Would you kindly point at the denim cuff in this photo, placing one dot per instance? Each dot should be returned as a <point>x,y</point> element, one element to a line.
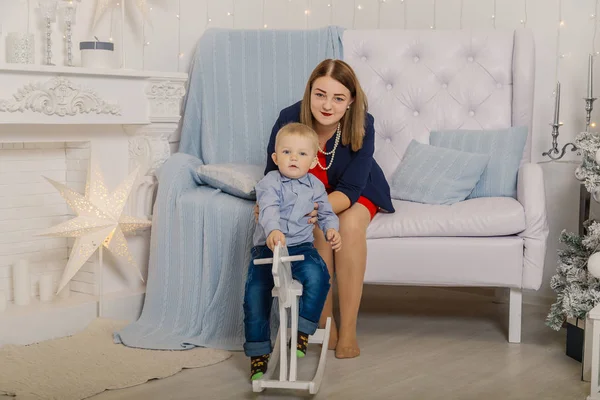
<point>254,349</point>
<point>306,326</point>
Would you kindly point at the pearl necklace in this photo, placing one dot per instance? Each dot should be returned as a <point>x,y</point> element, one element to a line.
<point>332,152</point>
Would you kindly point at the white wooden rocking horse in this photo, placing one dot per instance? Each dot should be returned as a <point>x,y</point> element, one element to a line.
<point>289,291</point>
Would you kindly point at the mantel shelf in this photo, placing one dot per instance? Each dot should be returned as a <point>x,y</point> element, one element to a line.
<point>60,70</point>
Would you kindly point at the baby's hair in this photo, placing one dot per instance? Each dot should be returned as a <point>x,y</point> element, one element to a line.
<point>298,129</point>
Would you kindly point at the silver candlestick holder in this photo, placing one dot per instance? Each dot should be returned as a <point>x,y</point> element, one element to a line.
<point>552,153</point>
<point>589,106</point>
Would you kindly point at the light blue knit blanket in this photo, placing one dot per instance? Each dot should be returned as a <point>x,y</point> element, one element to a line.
<point>201,237</point>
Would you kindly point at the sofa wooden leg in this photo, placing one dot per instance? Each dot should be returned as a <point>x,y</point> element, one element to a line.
<point>514,315</point>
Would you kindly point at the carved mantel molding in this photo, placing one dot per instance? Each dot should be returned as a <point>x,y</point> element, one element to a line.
<point>57,96</point>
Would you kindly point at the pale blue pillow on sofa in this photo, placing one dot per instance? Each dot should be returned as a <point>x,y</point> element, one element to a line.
<point>235,179</point>
<point>435,175</point>
<point>505,148</point>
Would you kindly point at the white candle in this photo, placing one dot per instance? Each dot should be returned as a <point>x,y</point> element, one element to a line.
<point>21,283</point>
<point>590,82</point>
<point>46,284</point>
<point>3,301</point>
<point>557,104</point>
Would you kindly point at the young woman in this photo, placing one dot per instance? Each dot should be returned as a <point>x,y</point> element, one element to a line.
<point>335,106</point>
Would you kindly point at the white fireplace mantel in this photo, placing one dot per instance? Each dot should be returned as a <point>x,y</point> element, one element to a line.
<point>128,118</point>
<point>94,104</point>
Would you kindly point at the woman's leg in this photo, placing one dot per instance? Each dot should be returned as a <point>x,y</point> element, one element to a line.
<point>351,262</point>
<point>326,253</point>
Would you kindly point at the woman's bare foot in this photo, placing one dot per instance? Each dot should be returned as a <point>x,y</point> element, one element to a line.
<point>347,346</point>
<point>333,334</point>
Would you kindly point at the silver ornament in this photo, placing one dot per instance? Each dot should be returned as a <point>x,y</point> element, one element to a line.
<point>579,174</point>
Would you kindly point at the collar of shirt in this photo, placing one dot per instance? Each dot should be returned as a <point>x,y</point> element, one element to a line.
<point>303,179</point>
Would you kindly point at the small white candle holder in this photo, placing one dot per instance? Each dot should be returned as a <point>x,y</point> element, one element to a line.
<point>21,283</point>
<point>46,288</point>
<point>20,48</point>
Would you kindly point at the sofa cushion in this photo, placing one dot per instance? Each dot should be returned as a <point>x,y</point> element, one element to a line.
<point>505,148</point>
<point>485,216</point>
<point>436,175</point>
<point>235,179</point>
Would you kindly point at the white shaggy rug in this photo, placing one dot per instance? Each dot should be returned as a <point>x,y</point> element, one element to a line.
<point>87,363</point>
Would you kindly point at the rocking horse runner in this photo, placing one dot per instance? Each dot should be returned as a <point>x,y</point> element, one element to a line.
<point>285,197</point>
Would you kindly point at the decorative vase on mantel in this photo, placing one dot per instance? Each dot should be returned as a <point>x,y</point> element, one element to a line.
<point>20,48</point>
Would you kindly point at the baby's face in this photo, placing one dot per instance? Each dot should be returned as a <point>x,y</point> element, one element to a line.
<point>295,156</point>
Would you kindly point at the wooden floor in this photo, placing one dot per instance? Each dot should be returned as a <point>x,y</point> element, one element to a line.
<point>416,344</point>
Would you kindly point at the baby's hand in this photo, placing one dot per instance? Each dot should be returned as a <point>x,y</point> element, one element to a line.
<point>335,239</point>
<point>275,237</point>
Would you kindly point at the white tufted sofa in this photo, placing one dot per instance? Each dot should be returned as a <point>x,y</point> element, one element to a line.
<point>418,81</point>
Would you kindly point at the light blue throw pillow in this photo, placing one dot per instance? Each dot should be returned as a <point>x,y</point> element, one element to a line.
<point>435,175</point>
<point>236,179</point>
<point>505,148</point>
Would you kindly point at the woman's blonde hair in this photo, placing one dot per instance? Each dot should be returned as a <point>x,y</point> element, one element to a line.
<point>353,121</point>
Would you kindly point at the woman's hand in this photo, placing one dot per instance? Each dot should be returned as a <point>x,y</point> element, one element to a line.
<point>275,237</point>
<point>256,211</point>
<point>312,216</point>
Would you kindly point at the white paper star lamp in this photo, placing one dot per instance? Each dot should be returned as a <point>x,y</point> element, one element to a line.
<point>99,222</point>
<point>103,5</point>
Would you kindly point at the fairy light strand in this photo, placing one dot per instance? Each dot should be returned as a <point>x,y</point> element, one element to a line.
<point>179,53</point>
<point>460,17</point>
<point>524,20</point>
<point>307,13</point>
<point>208,18</point>
<point>494,14</point>
<point>432,26</point>
<point>595,16</point>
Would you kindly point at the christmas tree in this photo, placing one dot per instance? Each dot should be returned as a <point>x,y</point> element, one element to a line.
<point>578,289</point>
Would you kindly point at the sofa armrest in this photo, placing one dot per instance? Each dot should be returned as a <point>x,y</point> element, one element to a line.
<point>532,196</point>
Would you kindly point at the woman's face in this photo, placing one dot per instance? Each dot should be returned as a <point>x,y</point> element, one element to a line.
<point>329,100</point>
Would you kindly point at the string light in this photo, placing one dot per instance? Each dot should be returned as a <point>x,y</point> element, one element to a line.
<point>524,20</point>
<point>460,18</point>
<point>330,13</point>
<point>208,19</point>
<point>263,14</point>
<point>180,54</point>
<point>405,12</point>
<point>594,52</point>
<point>432,26</point>
<point>494,16</point>
<point>307,13</point>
